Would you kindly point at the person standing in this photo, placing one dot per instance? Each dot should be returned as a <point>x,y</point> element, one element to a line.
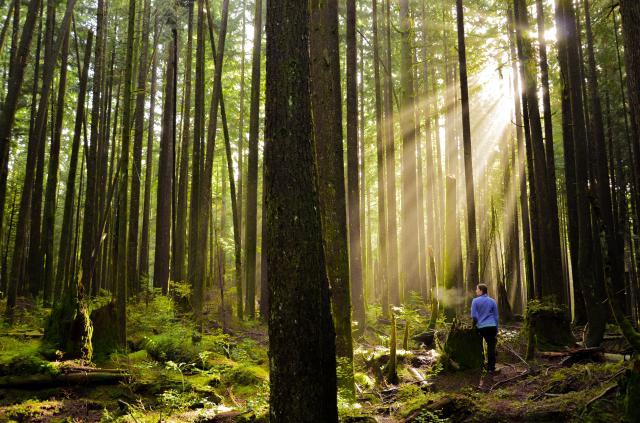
<point>484,312</point>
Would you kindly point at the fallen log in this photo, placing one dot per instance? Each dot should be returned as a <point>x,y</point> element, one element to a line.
<point>64,379</point>
<point>573,356</point>
<point>23,334</point>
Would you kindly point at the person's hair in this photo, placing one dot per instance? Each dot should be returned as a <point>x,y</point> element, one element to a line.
<point>483,288</point>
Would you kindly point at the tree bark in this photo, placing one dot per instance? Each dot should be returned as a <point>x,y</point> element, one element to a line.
<point>91,212</point>
<point>146,208</point>
<point>48,225</point>
<point>121,246</point>
<point>133,271</point>
<point>180,239</point>
<point>22,228</point>
<point>354,223</point>
<point>392,225</point>
<point>302,379</point>
<point>250,239</point>
<point>472,243</point>
<point>326,106</point>
<point>380,161</point>
<point>64,270</point>
<point>165,171</point>
<point>196,168</point>
<point>570,63</point>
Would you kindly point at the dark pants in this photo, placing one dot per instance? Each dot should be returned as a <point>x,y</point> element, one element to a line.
<point>489,334</point>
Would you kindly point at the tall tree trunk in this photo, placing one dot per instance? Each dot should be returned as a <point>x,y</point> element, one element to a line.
<point>121,247</point>
<point>548,258</point>
<point>180,239</point>
<point>392,225</point>
<point>326,103</point>
<point>557,286</point>
<point>34,271</point>
<point>196,167</point>
<point>472,243</point>
<point>22,228</point>
<point>355,231</point>
<point>241,133</point>
<point>430,181</point>
<point>165,171</point>
<point>600,171</point>
<point>146,208</point>
<point>570,65</point>
<point>91,212</point>
<point>380,161</point>
<point>65,253</point>
<point>48,225</point>
<point>10,101</point>
<point>133,272</point>
<point>630,14</point>
<point>232,186</point>
<point>298,286</point>
<point>410,274</point>
<point>250,234</point>
<point>205,186</point>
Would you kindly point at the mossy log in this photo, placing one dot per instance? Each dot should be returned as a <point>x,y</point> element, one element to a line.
<point>42,381</point>
<point>463,347</point>
<point>547,327</point>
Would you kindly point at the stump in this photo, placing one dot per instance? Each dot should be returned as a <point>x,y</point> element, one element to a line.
<point>463,346</point>
<point>547,326</point>
<point>105,332</point>
<point>69,328</point>
<point>631,392</point>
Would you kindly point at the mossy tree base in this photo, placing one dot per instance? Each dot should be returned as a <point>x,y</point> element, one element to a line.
<point>547,327</point>
<point>463,347</point>
<point>69,329</point>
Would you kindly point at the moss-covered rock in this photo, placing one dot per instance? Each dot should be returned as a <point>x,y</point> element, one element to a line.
<point>547,325</point>
<point>463,348</point>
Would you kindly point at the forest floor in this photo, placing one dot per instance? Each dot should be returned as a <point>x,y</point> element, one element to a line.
<point>174,373</point>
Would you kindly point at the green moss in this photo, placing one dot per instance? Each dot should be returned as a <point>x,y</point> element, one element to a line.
<point>244,375</point>
<point>418,402</point>
<point>33,409</point>
<point>29,364</point>
<point>363,380</point>
<point>408,392</point>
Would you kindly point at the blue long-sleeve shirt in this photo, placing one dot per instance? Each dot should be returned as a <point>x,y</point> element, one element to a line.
<point>485,311</point>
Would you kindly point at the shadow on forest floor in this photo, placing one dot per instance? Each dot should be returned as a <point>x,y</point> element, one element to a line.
<point>173,372</point>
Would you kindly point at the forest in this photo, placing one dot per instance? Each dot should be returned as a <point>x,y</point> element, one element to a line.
<point>319,211</point>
